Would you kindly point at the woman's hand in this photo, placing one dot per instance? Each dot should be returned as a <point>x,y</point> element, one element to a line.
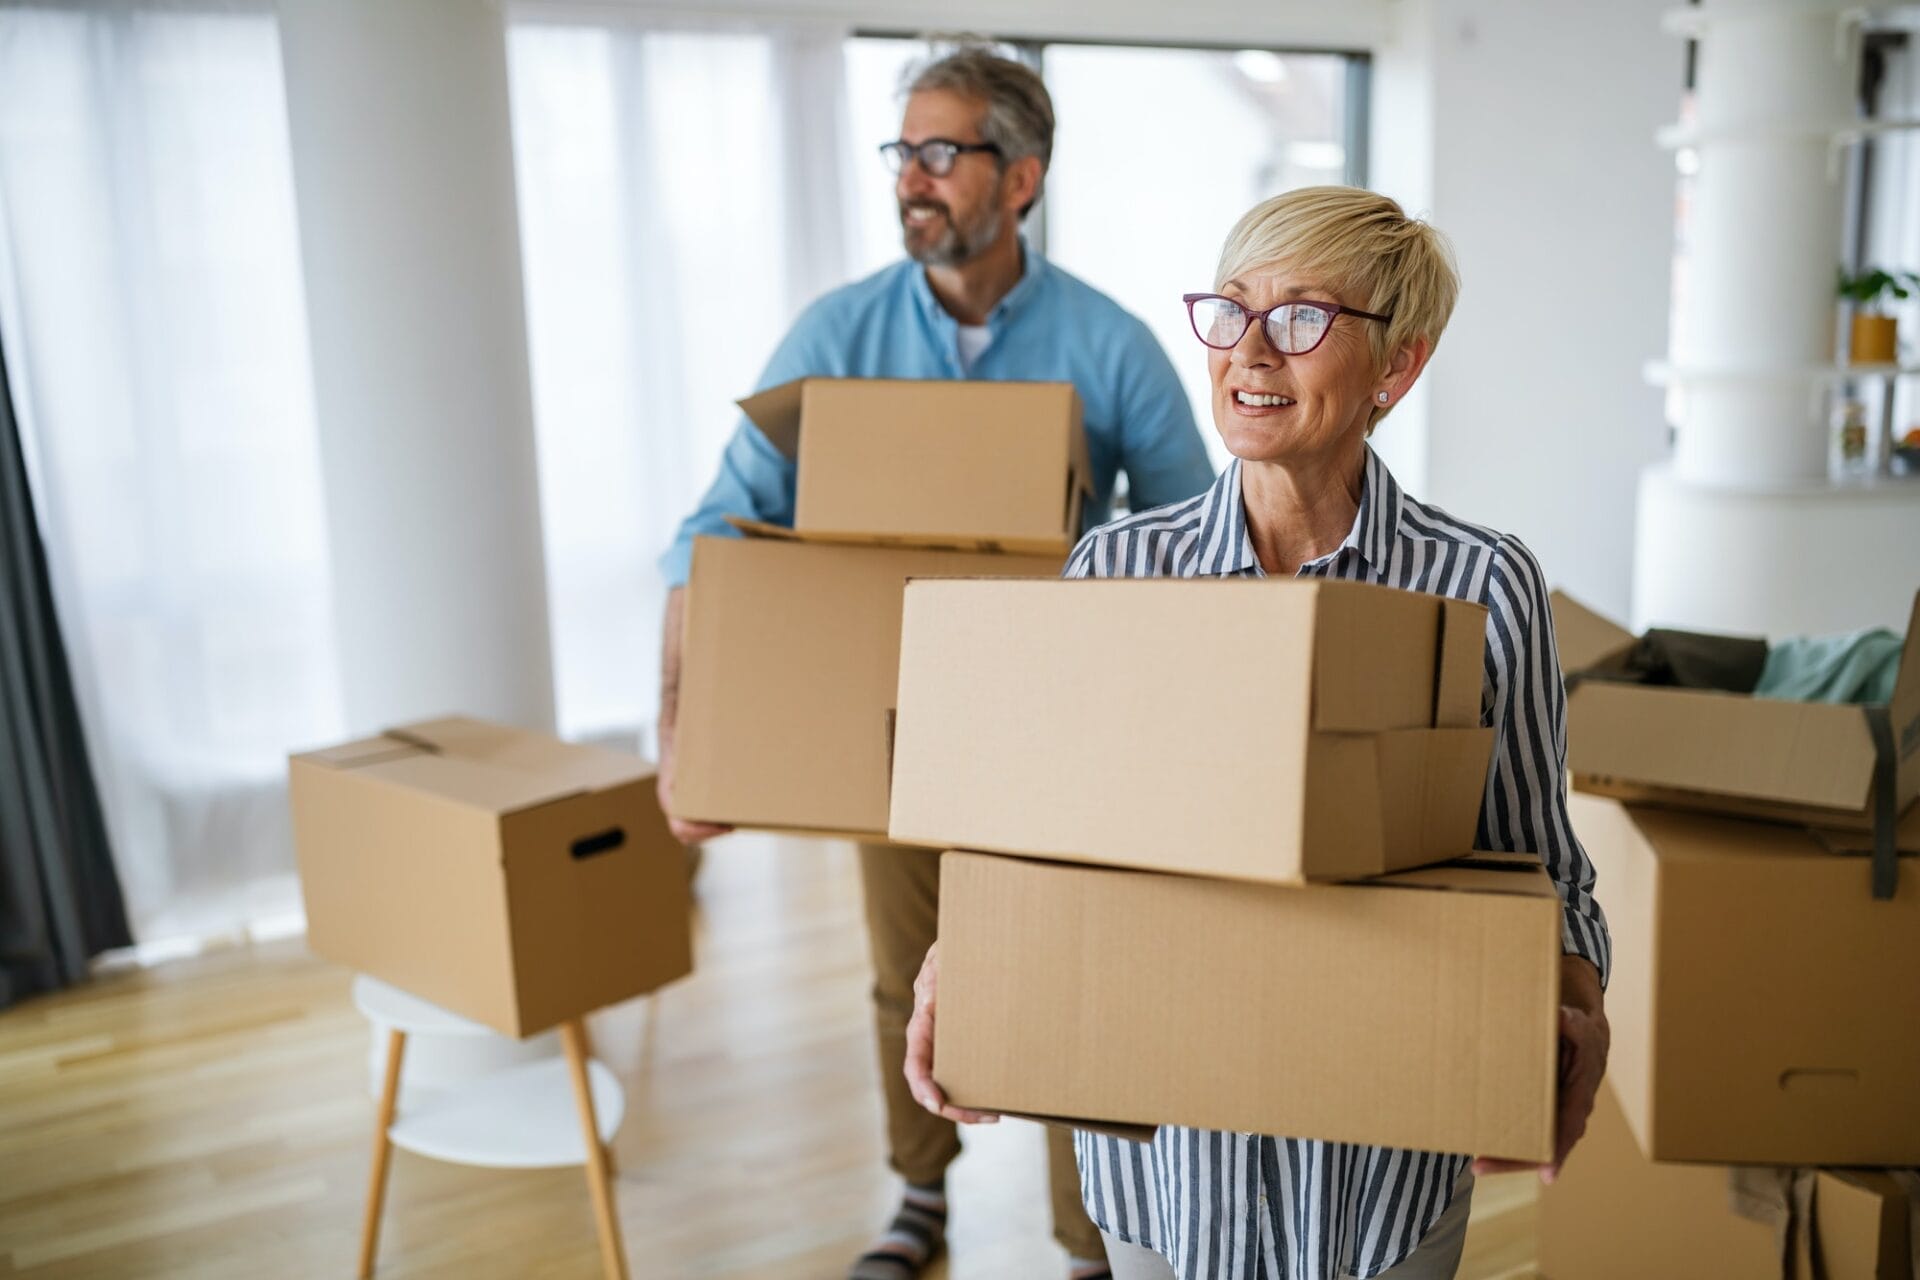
<point>1584,1041</point>
<point>919,1063</point>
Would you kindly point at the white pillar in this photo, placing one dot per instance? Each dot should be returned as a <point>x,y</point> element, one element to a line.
<point>1774,80</point>
<point>1744,531</point>
<point>403,175</point>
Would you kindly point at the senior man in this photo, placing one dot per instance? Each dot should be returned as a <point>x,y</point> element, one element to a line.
<point>972,300</point>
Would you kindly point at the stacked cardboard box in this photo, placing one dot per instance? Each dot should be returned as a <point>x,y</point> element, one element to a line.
<point>791,638</point>
<point>512,878</point>
<point>1615,1213</point>
<point>1765,1000</point>
<point>1171,764</point>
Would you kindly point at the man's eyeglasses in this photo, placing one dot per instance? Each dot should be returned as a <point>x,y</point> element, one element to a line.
<point>1293,328</point>
<point>936,155</point>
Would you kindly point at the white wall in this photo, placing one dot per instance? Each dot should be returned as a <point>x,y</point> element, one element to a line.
<point>1524,129</point>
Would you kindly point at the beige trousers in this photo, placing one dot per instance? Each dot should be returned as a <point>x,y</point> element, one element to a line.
<point>902,887</point>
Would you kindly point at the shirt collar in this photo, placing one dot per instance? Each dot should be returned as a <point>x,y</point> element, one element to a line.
<point>1033,268</point>
<point>1227,549</point>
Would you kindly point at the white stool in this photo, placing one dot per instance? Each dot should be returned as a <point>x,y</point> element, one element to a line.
<point>530,1112</point>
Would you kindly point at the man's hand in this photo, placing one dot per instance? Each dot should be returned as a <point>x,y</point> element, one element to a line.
<point>684,831</point>
<point>919,1063</point>
<point>1584,1041</point>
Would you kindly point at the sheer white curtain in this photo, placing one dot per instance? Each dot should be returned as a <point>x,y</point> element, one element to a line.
<point>151,306</point>
<point>683,194</point>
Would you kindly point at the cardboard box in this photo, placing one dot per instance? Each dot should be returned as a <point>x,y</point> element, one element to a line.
<point>1278,731</point>
<point>1730,753</point>
<point>504,875</point>
<point>980,465</point>
<point>1765,1007</point>
<point>789,663</point>
<point>1419,1010</point>
<point>1614,1213</point>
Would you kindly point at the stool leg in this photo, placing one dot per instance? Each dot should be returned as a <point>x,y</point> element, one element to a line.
<point>612,1255</point>
<point>382,1152</point>
<point>606,1148</point>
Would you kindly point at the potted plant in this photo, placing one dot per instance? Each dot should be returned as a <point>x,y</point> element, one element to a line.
<point>1875,334</point>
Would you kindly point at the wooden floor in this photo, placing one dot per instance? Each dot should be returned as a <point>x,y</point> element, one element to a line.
<point>210,1118</point>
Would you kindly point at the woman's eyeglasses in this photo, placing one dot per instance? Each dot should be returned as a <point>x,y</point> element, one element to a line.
<point>1292,328</point>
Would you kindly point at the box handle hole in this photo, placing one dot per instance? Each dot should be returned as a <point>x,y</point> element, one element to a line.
<point>1818,1080</point>
<point>603,842</point>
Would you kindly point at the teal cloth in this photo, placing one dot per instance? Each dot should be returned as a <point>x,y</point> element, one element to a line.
<point>1859,666</point>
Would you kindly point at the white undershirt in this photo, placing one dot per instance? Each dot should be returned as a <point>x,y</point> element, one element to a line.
<point>973,340</point>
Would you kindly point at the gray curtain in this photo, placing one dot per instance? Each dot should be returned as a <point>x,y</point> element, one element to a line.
<point>59,897</point>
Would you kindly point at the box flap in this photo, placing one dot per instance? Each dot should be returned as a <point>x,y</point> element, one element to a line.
<point>1693,740</point>
<point>1481,871</point>
<point>1583,637</point>
<point>1859,840</point>
<point>1375,654</point>
<point>776,411</point>
<point>936,459</point>
<point>353,755</point>
<point>1082,478</point>
<point>563,766</point>
<point>1904,708</point>
<point>1038,546</point>
<point>480,765</point>
<point>762,529</point>
<point>1433,783</point>
<point>1462,667</point>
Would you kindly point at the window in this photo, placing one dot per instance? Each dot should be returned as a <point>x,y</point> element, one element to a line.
<point>678,208</point>
<point>675,215</point>
<point>1143,186</point>
<point>152,308</point>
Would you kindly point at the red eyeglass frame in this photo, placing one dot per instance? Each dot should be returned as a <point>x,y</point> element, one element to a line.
<point>1332,310</point>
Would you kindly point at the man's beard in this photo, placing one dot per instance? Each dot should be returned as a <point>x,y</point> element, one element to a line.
<point>944,242</point>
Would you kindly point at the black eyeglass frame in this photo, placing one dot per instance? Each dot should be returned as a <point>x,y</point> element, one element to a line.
<point>895,154</point>
<point>1332,310</point>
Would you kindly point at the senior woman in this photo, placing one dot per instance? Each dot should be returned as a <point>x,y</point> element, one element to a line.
<point>1327,304</point>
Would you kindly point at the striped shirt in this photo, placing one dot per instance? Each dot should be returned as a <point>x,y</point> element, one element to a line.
<point>1247,1207</point>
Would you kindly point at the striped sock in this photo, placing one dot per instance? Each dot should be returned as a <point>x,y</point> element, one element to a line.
<point>912,1240</point>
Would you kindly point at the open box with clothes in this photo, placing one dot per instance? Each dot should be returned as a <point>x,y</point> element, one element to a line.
<point>1827,735</point>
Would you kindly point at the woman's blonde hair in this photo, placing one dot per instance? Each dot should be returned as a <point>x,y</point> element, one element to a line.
<point>1361,243</point>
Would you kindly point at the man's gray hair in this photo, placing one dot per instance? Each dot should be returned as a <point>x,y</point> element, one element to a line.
<point>1019,118</point>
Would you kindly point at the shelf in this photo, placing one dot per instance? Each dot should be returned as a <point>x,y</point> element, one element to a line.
<point>1661,373</point>
<point>521,1118</point>
<point>389,1006</point>
<point>1693,21</point>
<point>1843,133</point>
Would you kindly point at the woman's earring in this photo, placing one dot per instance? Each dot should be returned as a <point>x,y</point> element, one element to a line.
<point>1381,397</point>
